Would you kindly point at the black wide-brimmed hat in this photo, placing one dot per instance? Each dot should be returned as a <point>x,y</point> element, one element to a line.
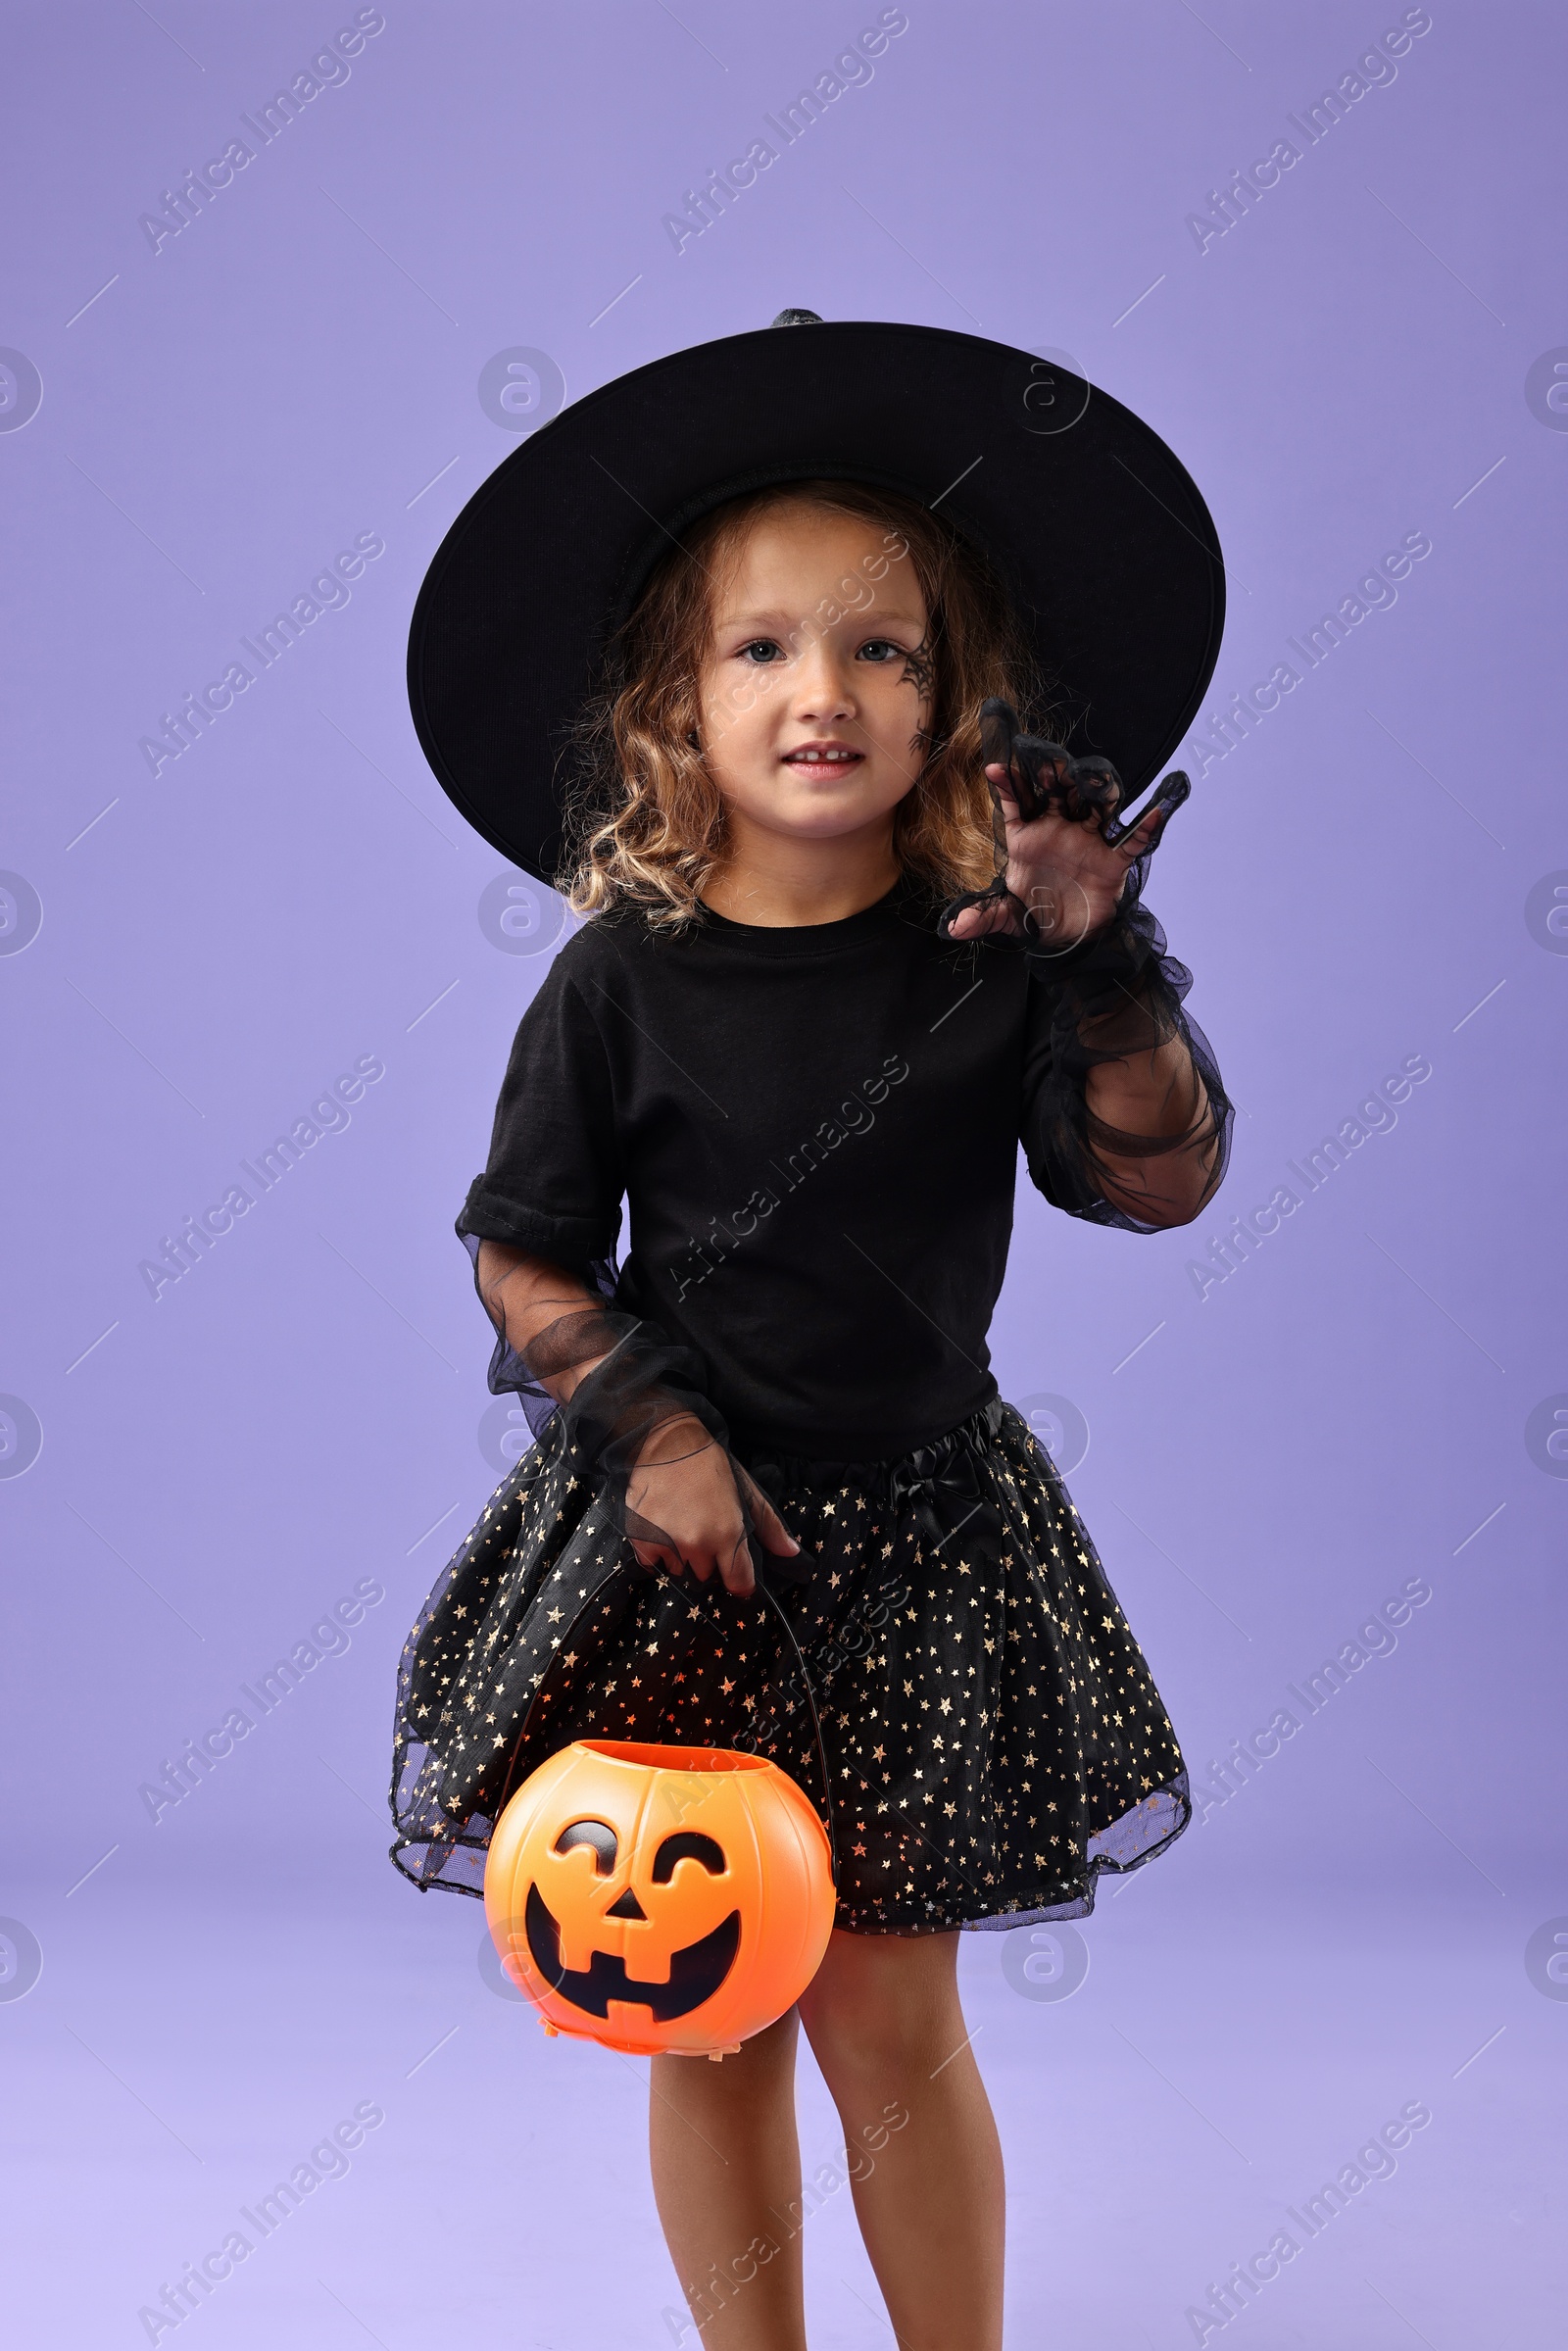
<point>1095,528</point>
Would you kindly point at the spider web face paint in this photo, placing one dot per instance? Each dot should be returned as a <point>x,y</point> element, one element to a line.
<point>919,669</point>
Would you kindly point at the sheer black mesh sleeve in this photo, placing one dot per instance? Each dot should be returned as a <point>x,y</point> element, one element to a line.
<point>1111,997</point>
<point>1118,994</point>
<point>509,1372</point>
<point>638,1411</point>
<point>553,1183</point>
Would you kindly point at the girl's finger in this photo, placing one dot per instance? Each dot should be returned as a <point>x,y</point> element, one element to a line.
<point>740,1576</point>
<point>1001,783</point>
<point>994,916</point>
<point>775,1535</point>
<point>1145,834</point>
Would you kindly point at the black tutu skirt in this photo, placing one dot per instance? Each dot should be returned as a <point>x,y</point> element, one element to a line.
<point>992,1734</point>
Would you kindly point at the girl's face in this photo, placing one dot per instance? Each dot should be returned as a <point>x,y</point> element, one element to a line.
<point>817,681</point>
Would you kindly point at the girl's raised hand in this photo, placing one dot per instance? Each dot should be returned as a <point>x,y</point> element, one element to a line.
<point>683,1508</point>
<point>1059,867</point>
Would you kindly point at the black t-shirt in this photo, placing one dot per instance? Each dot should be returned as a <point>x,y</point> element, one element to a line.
<point>816,1131</point>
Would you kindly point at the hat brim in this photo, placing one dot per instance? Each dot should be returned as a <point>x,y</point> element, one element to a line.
<point>1094,526</point>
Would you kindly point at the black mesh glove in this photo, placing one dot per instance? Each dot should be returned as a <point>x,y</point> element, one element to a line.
<point>1113,990</point>
<point>634,1417</point>
<point>1044,779</point>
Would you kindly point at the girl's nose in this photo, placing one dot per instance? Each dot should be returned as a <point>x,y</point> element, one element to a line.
<point>822,691</point>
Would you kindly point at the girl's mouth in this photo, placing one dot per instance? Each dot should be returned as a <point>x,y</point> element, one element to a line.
<point>821,760</point>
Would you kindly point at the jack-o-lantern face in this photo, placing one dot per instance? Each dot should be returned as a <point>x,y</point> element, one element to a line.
<point>658,1897</point>
<point>696,1971</point>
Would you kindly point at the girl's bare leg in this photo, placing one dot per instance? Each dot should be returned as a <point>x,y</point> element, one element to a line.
<point>727,2181</point>
<point>883,2018</point>
<point>887,2030</point>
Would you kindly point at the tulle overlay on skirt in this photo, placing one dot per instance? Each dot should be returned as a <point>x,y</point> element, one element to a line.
<point>994,1738</point>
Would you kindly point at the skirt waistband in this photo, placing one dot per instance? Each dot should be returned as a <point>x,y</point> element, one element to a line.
<point>948,1460</point>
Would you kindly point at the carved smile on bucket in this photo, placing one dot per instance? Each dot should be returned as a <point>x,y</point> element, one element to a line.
<point>696,1971</point>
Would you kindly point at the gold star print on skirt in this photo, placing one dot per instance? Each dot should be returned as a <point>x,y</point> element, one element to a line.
<point>994,1738</point>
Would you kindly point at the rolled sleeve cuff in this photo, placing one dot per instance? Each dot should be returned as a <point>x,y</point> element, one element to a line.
<point>575,1242</point>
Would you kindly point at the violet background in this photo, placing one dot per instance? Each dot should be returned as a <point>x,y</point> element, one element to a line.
<point>1368,1922</point>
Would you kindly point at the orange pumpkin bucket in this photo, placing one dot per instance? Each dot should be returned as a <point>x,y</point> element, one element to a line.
<point>660,1897</point>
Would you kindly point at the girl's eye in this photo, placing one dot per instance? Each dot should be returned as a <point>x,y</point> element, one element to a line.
<point>762,651</point>
<point>880,649</point>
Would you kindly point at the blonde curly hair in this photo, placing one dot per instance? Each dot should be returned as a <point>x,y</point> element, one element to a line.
<point>645,821</point>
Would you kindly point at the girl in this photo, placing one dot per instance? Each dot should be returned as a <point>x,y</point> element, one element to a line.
<point>850,938</point>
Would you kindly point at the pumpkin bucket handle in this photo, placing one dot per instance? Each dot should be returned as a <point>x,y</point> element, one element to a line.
<point>817,1729</point>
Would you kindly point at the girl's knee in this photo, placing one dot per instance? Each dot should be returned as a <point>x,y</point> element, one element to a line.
<point>881,2016</point>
